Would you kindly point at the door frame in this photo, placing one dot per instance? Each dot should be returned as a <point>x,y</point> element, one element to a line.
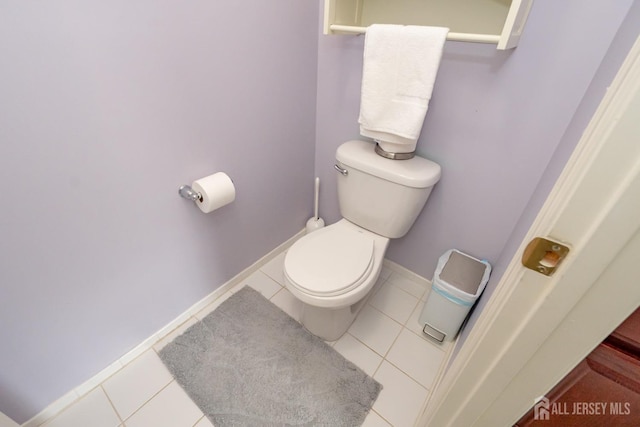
<point>530,333</point>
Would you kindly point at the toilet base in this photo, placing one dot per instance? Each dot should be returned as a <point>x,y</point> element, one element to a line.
<point>326,323</point>
<point>331,323</point>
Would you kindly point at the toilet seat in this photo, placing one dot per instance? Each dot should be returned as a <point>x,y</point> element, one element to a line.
<point>330,261</point>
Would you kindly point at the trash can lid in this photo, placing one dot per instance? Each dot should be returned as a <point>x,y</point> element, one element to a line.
<point>463,272</point>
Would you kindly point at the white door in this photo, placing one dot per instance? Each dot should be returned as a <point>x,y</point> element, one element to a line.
<point>536,328</point>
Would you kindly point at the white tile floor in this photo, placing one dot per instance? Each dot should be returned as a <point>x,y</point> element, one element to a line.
<point>385,341</point>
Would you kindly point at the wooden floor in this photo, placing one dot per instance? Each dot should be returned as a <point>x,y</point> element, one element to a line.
<point>603,390</point>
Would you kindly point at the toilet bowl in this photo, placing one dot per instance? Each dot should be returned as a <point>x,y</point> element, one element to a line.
<point>332,271</point>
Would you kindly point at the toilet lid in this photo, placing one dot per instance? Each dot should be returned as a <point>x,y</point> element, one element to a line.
<point>330,262</point>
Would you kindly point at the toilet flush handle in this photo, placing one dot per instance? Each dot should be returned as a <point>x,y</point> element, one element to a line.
<point>341,170</point>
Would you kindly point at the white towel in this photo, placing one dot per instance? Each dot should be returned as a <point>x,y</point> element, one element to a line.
<point>400,67</point>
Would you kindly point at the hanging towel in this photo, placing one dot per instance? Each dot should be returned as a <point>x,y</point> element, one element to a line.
<point>399,70</point>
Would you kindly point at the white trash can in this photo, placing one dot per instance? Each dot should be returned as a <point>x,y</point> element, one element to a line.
<point>458,281</point>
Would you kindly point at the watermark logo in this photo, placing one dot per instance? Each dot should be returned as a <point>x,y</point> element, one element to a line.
<point>543,409</point>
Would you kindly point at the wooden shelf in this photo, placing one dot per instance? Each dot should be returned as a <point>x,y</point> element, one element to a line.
<point>479,21</point>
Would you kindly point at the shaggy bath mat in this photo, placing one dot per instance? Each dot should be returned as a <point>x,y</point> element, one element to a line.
<point>249,364</point>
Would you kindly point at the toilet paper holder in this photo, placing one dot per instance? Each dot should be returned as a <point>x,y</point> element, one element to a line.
<point>211,192</point>
<point>186,192</point>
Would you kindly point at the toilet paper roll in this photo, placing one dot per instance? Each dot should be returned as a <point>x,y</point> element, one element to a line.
<point>216,190</point>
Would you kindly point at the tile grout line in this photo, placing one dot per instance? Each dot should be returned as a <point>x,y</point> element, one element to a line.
<point>384,357</point>
<point>199,419</point>
<point>408,293</point>
<point>364,344</point>
<point>380,415</point>
<point>121,423</point>
<point>122,419</point>
<point>404,325</point>
<point>149,400</point>
<point>391,282</point>
<point>377,309</point>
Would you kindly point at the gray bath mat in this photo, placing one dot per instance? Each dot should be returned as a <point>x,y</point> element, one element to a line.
<point>249,364</point>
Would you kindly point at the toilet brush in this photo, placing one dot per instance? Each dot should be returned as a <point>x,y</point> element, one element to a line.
<point>315,222</point>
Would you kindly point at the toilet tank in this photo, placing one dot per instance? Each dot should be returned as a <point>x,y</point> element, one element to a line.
<point>382,195</point>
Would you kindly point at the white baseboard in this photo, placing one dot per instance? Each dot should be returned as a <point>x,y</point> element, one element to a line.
<point>71,397</point>
<point>403,271</point>
<point>6,421</point>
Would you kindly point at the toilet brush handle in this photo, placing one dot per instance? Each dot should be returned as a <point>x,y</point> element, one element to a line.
<point>315,204</point>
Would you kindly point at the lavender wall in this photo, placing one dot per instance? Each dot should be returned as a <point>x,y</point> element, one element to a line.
<point>494,122</point>
<point>107,107</point>
<point>627,34</point>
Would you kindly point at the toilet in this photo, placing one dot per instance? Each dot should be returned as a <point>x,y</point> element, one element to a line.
<point>334,269</point>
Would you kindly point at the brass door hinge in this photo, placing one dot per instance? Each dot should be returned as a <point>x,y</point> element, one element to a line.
<point>543,255</point>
